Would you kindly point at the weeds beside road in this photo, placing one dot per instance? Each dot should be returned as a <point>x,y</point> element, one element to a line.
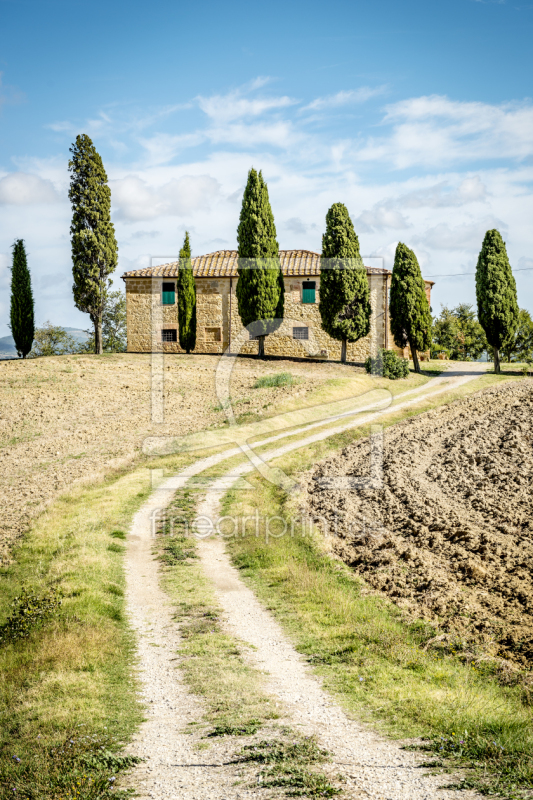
<point>67,694</point>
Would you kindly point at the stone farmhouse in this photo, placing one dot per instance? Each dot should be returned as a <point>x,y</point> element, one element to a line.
<point>152,312</point>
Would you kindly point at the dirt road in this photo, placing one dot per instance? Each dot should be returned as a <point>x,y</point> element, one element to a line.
<point>372,767</point>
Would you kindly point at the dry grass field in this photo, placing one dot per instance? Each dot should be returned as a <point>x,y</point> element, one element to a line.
<point>69,418</point>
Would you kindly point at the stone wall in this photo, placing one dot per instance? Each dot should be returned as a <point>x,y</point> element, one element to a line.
<point>218,321</point>
<point>146,317</point>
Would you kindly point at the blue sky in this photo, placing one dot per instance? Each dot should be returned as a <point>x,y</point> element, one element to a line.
<point>417,115</point>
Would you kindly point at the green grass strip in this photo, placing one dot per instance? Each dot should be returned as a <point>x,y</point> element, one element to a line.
<point>67,694</point>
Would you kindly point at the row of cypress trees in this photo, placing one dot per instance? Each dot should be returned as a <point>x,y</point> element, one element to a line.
<point>497,303</point>
<point>344,303</point>
<point>344,291</point>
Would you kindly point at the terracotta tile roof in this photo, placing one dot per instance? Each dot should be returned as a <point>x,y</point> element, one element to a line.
<point>223,264</point>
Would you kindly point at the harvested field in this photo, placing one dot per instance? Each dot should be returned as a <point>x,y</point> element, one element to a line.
<point>70,418</point>
<point>449,537</point>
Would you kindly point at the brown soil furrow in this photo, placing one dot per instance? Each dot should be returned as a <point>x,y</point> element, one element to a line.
<point>449,536</point>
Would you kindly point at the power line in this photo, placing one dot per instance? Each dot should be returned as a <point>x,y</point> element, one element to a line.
<point>460,274</point>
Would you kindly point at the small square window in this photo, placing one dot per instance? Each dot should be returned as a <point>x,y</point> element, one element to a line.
<point>300,333</point>
<point>169,335</point>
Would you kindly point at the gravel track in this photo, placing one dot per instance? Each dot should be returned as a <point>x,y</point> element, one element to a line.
<point>174,766</point>
<point>372,766</point>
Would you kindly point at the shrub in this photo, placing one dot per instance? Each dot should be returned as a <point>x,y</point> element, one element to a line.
<point>52,340</point>
<point>279,379</point>
<point>29,611</point>
<point>387,365</point>
<point>79,767</point>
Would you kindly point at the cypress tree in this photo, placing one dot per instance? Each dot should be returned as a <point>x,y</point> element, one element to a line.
<point>186,298</point>
<point>497,305</point>
<point>22,322</point>
<point>410,315</point>
<point>344,291</point>
<point>260,288</point>
<point>94,247</point>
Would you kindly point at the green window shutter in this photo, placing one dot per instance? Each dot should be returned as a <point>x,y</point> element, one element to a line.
<point>168,297</point>
<point>308,292</point>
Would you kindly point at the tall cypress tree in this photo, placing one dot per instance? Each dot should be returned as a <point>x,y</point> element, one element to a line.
<point>22,321</point>
<point>186,298</point>
<point>94,247</point>
<point>344,291</point>
<point>497,305</point>
<point>260,288</point>
<point>410,315</point>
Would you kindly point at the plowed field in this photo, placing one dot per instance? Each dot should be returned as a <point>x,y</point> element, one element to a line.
<point>449,536</point>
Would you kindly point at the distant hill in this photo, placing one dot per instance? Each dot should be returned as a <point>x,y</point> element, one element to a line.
<point>7,343</point>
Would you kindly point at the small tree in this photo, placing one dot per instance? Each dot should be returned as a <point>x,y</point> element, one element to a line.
<point>520,346</point>
<point>52,340</point>
<point>344,303</point>
<point>260,287</point>
<point>458,331</point>
<point>496,294</point>
<point>94,247</point>
<point>21,316</point>
<point>114,338</point>
<point>410,315</point>
<point>186,298</point>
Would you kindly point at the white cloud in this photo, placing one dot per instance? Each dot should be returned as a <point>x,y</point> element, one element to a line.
<point>114,120</point>
<point>443,195</point>
<point>460,237</point>
<point>385,252</point>
<point>49,282</point>
<point>134,199</point>
<point>163,147</point>
<point>298,226</point>
<point>277,134</point>
<point>379,218</point>
<point>344,98</point>
<point>22,189</point>
<point>224,108</point>
<point>435,131</point>
<point>236,118</point>
<point>145,235</point>
<point>158,189</point>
